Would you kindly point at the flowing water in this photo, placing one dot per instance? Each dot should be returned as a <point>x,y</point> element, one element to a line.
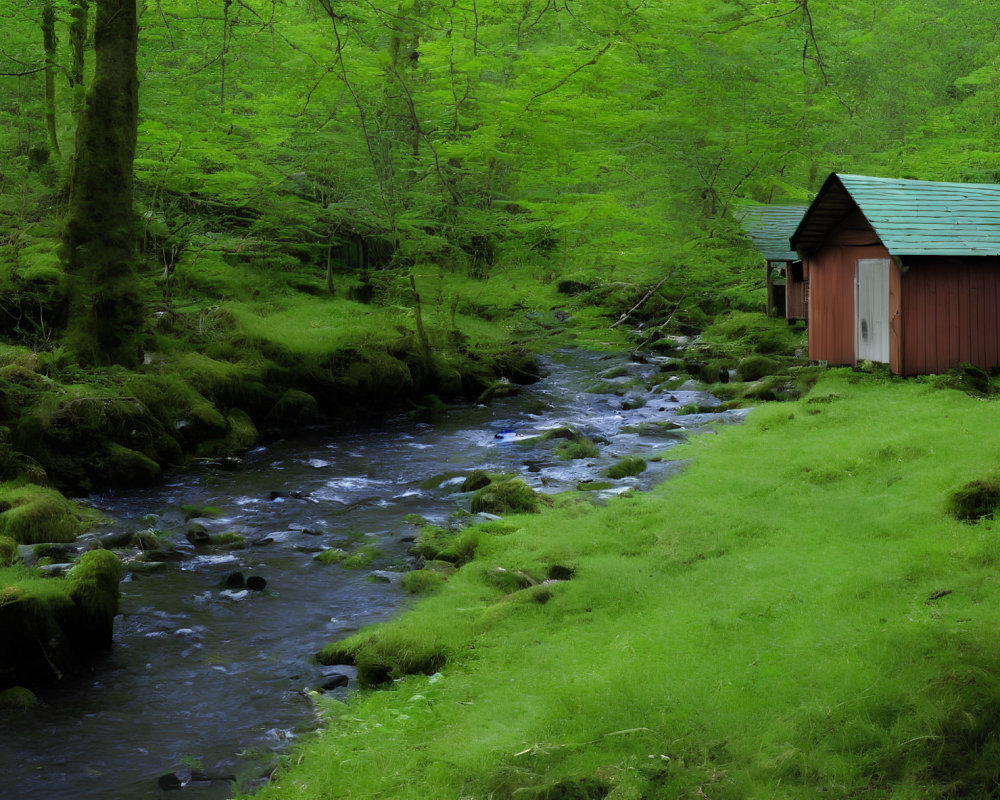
<point>205,682</point>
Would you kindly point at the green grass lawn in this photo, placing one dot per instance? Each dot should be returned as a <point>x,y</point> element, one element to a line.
<point>794,616</point>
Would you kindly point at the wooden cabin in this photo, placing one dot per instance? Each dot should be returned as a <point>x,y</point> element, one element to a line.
<point>769,228</point>
<point>903,272</point>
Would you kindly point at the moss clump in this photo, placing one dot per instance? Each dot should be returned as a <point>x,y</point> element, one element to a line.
<point>383,655</point>
<point>435,543</point>
<point>362,557</point>
<point>593,486</point>
<point>33,514</point>
<point>294,408</point>
<point>975,500</point>
<point>124,466</point>
<point>626,467</point>
<point>332,556</point>
<point>421,581</point>
<point>576,449</point>
<point>510,496</point>
<point>8,551</point>
<point>229,540</point>
<point>94,585</point>
<point>17,697</point>
<point>477,480</point>
<point>755,367</point>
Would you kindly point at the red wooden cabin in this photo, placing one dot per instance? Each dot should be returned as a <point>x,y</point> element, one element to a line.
<point>903,272</point>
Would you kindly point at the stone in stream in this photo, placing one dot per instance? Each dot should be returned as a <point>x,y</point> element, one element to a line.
<point>235,580</point>
<point>334,680</point>
<point>197,534</point>
<point>255,583</point>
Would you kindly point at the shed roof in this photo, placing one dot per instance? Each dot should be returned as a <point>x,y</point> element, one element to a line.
<point>910,217</point>
<point>769,228</point>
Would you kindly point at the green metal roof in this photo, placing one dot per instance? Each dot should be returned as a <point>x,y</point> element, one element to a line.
<point>909,217</point>
<point>769,228</point>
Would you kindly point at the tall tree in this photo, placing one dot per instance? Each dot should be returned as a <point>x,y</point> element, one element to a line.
<point>101,229</point>
<point>49,44</point>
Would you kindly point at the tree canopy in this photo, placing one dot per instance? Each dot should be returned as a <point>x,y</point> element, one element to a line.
<point>593,140</point>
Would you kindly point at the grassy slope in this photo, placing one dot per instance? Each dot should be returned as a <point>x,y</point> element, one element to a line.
<point>760,626</point>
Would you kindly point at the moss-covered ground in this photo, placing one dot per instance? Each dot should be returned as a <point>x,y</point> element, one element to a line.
<point>796,615</point>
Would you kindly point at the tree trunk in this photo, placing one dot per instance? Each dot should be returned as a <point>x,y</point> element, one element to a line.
<point>49,44</point>
<point>78,43</point>
<point>100,238</point>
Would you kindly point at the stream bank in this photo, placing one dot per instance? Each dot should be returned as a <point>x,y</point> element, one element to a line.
<point>206,680</point>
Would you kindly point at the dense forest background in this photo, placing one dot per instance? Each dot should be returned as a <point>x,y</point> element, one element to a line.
<point>359,202</point>
<point>591,141</point>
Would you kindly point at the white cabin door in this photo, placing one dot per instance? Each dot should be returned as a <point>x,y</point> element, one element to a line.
<point>871,310</point>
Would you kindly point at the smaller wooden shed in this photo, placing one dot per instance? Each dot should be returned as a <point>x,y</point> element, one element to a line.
<point>769,228</point>
<point>903,272</point>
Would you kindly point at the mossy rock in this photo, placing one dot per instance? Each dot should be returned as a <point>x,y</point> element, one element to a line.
<point>422,581</point>
<point>94,587</point>
<point>386,655</point>
<point>333,555</point>
<point>626,467</point>
<point>755,367</point>
<point>362,557</point>
<point>241,434</point>
<point>571,450</point>
<point>477,480</point>
<point>17,698</point>
<point>123,466</point>
<point>974,501</point>
<point>293,409</point>
<point>508,581</point>
<point>770,389</point>
<point>435,543</point>
<point>509,496</point>
<point>593,486</point>
<point>229,540</point>
<point>35,514</point>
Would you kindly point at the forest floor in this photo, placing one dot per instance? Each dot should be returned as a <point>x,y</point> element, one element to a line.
<point>795,615</point>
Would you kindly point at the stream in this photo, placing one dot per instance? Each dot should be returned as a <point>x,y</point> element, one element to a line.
<point>203,682</point>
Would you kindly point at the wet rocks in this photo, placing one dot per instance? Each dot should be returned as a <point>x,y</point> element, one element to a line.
<point>236,581</point>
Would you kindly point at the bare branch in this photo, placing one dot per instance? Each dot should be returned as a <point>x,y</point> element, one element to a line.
<point>564,80</point>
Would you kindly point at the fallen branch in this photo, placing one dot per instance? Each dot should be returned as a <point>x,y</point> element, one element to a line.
<point>649,294</point>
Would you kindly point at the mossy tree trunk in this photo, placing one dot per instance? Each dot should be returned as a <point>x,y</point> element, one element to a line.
<point>49,44</point>
<point>100,239</point>
<point>78,44</point>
